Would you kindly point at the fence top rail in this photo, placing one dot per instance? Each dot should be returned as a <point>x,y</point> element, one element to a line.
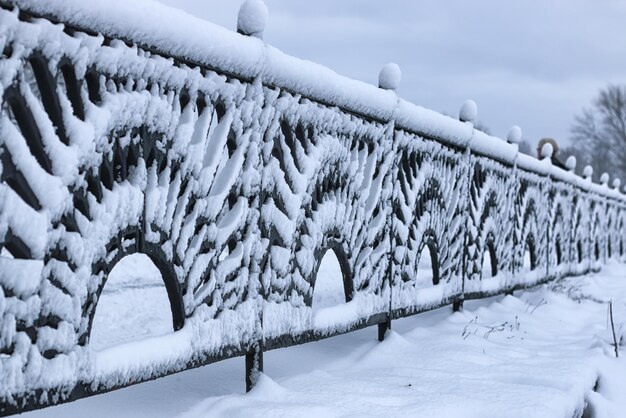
<point>177,34</point>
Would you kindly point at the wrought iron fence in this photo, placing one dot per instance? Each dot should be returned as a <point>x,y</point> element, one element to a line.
<point>234,168</point>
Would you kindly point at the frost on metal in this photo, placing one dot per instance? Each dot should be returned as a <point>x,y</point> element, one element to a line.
<point>235,179</point>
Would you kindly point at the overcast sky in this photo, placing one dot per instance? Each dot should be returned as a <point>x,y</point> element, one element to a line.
<point>533,63</point>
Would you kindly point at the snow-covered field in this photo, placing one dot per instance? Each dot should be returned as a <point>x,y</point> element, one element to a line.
<point>540,353</point>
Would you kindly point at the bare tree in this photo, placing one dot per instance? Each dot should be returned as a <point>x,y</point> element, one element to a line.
<point>599,132</point>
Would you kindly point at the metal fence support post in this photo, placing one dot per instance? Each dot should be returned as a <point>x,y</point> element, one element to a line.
<point>383,327</point>
<point>254,364</point>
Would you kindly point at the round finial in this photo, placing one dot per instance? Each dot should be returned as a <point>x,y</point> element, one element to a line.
<point>570,163</point>
<point>252,18</point>
<point>587,171</point>
<point>468,112</point>
<point>604,178</point>
<point>390,76</point>
<point>515,135</point>
<point>617,183</point>
<point>546,150</point>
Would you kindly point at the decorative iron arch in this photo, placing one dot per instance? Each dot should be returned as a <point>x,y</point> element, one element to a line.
<point>579,251</point>
<point>620,236</point>
<point>168,275</point>
<point>557,248</point>
<point>491,249</point>
<point>333,243</point>
<point>530,245</point>
<point>430,241</point>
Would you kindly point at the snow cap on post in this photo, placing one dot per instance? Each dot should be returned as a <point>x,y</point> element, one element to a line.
<point>616,184</point>
<point>547,150</point>
<point>587,171</point>
<point>468,111</point>
<point>604,178</point>
<point>515,135</point>
<point>252,18</point>
<point>570,163</point>
<point>390,76</point>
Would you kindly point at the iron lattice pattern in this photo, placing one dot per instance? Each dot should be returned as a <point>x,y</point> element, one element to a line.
<point>235,190</point>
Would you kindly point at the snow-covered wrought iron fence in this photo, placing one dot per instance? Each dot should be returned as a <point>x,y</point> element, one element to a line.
<point>234,167</point>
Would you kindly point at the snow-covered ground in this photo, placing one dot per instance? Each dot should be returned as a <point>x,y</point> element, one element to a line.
<point>540,353</point>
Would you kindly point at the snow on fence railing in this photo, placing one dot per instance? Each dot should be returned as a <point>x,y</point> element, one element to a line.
<point>129,127</point>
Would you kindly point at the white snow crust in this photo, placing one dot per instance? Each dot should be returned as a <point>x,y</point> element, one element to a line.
<point>252,17</point>
<point>537,353</point>
<point>262,163</point>
<point>468,112</point>
<point>547,150</point>
<point>390,76</point>
<point>515,135</point>
<point>570,163</point>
